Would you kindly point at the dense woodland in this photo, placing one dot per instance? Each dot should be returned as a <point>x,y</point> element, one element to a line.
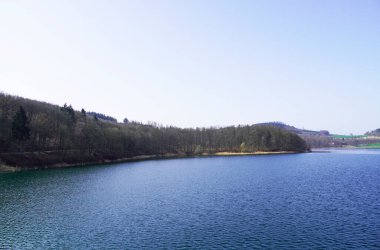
<point>39,133</point>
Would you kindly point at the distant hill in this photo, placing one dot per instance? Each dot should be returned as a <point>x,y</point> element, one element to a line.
<point>293,129</point>
<point>375,132</point>
<point>323,138</point>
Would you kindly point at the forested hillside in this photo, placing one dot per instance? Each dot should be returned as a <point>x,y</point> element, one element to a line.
<point>40,134</point>
<point>375,132</point>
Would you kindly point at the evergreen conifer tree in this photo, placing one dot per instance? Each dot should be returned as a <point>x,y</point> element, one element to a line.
<point>20,126</point>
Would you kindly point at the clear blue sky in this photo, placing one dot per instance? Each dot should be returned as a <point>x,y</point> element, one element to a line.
<point>311,64</point>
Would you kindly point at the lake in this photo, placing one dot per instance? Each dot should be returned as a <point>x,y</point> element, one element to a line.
<point>316,200</point>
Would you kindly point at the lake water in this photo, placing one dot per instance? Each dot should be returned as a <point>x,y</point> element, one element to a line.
<point>317,200</point>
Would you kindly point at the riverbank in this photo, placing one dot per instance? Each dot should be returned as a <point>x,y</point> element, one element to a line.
<point>253,153</point>
<point>350,147</point>
<point>370,146</point>
<point>36,159</point>
<point>8,169</point>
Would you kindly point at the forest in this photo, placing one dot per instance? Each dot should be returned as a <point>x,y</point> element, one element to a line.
<point>375,132</point>
<point>34,133</point>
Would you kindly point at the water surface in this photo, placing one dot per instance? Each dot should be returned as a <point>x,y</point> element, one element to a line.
<point>316,200</point>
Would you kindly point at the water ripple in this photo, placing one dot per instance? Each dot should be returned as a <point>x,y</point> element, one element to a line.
<point>308,201</point>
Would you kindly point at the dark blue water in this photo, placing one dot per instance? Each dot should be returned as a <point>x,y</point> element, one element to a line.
<point>317,200</point>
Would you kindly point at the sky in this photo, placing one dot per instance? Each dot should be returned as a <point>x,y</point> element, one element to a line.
<point>311,64</point>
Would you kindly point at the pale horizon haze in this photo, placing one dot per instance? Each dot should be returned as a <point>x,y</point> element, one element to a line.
<point>310,64</point>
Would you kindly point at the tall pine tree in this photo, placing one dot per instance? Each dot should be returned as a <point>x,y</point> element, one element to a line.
<point>20,126</point>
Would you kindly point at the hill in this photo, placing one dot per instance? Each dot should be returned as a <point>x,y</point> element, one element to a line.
<point>38,134</point>
<point>375,132</point>
<point>314,139</point>
<point>295,130</point>
<point>323,138</point>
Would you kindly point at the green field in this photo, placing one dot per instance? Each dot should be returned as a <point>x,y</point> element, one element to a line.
<point>371,145</point>
<point>347,136</point>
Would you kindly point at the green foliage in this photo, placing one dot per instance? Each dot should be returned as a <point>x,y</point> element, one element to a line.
<point>198,150</point>
<point>20,126</point>
<point>243,147</point>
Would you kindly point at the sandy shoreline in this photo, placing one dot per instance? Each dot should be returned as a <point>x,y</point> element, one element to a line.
<point>253,153</point>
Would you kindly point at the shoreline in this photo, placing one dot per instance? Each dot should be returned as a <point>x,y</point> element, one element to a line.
<point>253,153</point>
<point>11,169</point>
<point>342,148</point>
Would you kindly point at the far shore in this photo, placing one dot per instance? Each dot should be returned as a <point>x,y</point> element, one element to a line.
<point>8,169</point>
<point>253,153</point>
<point>348,147</point>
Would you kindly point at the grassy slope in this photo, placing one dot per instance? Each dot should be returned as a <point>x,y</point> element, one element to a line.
<point>371,145</point>
<point>347,136</point>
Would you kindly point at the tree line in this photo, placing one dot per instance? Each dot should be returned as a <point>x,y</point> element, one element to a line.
<point>33,126</point>
<point>375,132</point>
